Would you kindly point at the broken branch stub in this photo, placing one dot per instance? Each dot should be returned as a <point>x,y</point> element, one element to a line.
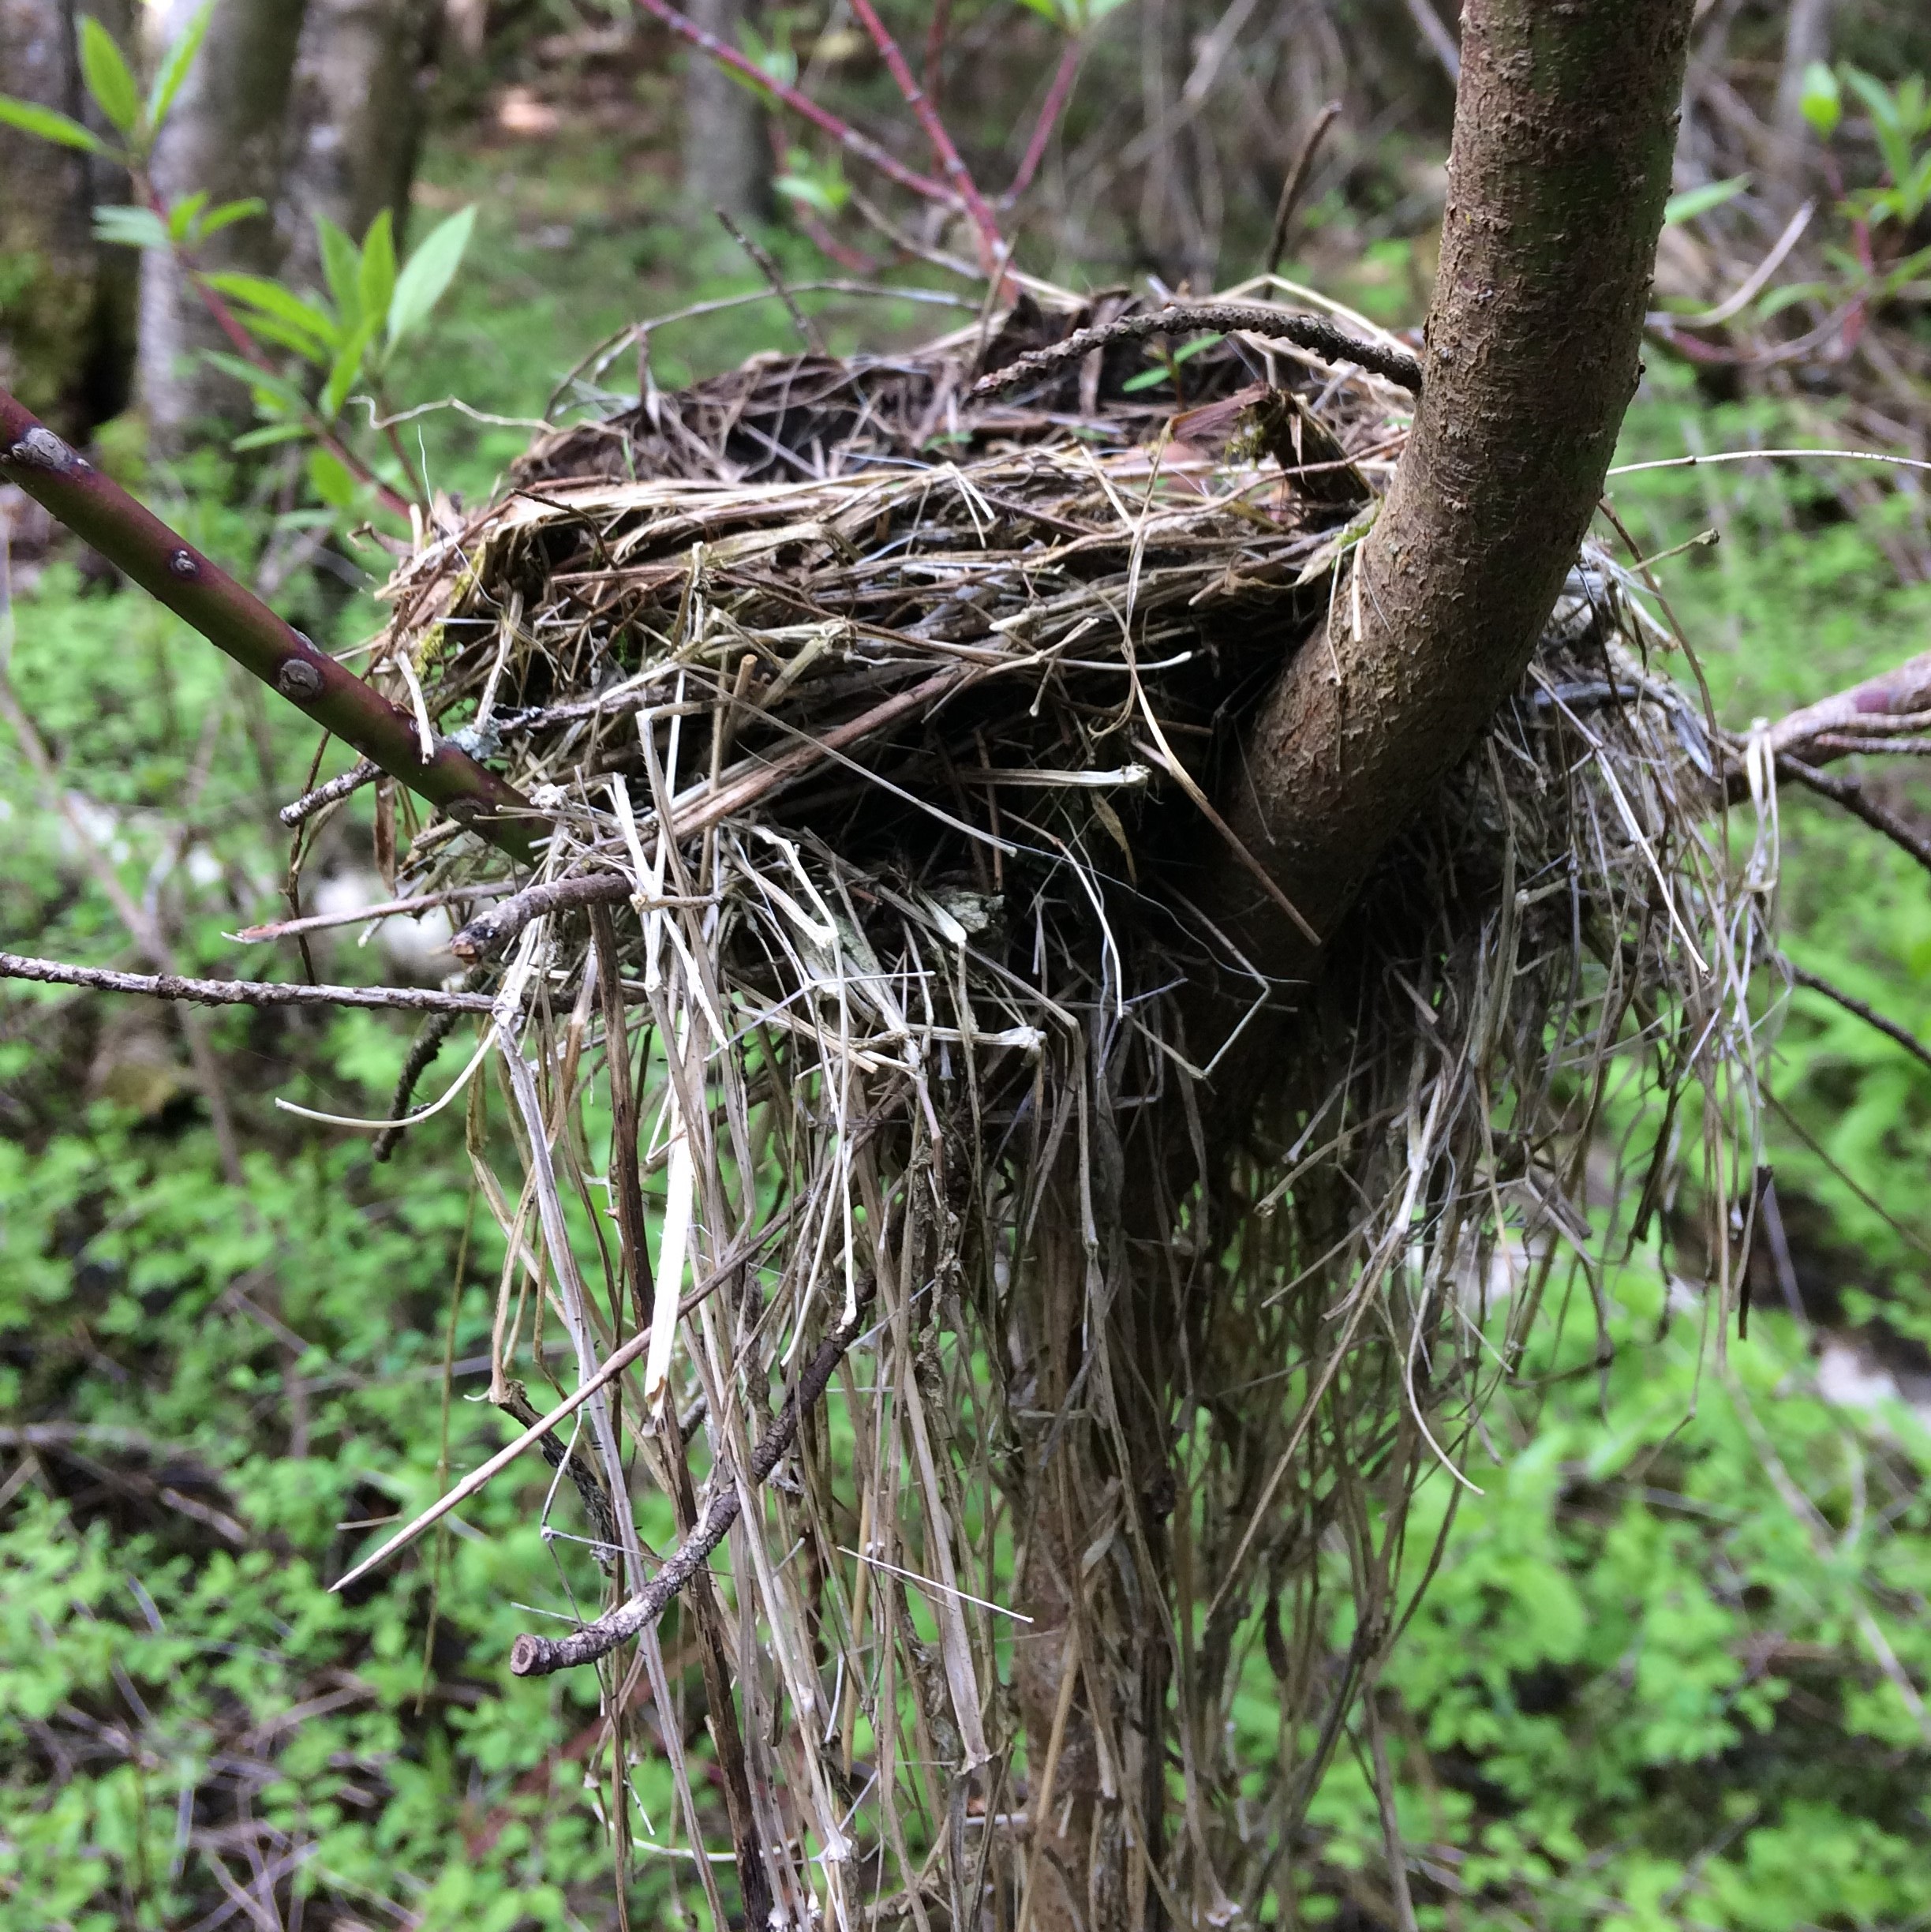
<point>233,619</point>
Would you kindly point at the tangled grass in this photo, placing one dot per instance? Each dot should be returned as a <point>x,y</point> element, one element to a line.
<point>877,725</point>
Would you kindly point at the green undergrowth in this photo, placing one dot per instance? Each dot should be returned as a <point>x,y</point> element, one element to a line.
<point>1664,1675</point>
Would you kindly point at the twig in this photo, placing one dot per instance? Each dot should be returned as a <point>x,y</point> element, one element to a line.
<point>310,803</point>
<point>387,908</point>
<point>848,136</point>
<point>1050,109</point>
<point>991,243</point>
<point>487,933</point>
<point>237,992</point>
<point>1904,691</point>
<point>1296,184</point>
<point>806,328</point>
<point>421,1055</point>
<point>1310,332</point>
<point>1815,983</point>
<point>538,1656</point>
<point>1848,793</point>
<point>233,619</point>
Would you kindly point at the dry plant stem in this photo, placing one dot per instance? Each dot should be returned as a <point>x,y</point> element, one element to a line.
<point>1296,185</point>
<point>1852,796</point>
<point>848,136</point>
<point>991,243</point>
<point>233,619</point>
<point>1556,188</point>
<point>1307,332</point>
<point>538,1656</point>
<point>1050,109</point>
<point>238,992</point>
<point>1815,983</point>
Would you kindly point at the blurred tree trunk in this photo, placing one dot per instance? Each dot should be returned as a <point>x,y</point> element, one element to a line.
<point>227,134</point>
<point>356,119</point>
<point>66,303</point>
<point>726,153</point>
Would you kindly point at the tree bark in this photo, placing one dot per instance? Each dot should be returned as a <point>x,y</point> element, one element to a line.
<point>1565,125</point>
<point>227,134</point>
<point>726,155</point>
<point>356,118</point>
<point>66,303</point>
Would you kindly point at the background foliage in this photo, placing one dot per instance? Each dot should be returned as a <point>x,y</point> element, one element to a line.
<point>1669,1670</point>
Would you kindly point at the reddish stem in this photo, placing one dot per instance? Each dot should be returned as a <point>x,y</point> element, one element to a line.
<point>233,619</point>
<point>991,243</point>
<point>847,136</point>
<point>1056,96</point>
<point>940,25</point>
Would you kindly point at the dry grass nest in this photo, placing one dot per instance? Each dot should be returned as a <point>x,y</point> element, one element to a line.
<point>871,717</point>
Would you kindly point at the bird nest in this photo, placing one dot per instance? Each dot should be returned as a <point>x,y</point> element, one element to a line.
<point>846,1024</point>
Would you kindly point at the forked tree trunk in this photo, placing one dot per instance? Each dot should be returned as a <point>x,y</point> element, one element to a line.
<point>227,135</point>
<point>1565,125</point>
<point>355,120</point>
<point>1564,131</point>
<point>66,302</point>
<point>727,158</point>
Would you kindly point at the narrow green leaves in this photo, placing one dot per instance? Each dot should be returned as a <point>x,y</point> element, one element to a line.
<point>174,64</point>
<point>110,79</point>
<point>31,117</point>
<point>428,272</point>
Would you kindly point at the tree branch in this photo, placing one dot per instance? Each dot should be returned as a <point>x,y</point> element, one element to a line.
<point>538,1656</point>
<point>1307,332</point>
<point>238,992</point>
<point>233,619</point>
<point>1556,188</point>
<point>847,136</point>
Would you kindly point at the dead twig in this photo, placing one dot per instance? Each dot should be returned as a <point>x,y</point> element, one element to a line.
<point>238,992</point>
<point>538,1656</point>
<point>1312,332</point>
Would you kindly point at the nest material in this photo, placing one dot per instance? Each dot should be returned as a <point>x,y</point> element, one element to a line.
<point>891,710</point>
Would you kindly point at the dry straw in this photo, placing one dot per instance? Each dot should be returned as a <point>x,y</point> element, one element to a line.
<point>870,718</point>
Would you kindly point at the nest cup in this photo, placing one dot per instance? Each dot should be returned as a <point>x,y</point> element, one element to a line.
<point>858,996</point>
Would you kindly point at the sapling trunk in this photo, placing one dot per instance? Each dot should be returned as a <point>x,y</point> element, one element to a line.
<point>232,618</point>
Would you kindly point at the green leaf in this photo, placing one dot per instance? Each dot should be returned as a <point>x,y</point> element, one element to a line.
<point>348,366</point>
<point>1822,100</point>
<point>376,284</point>
<point>131,227</point>
<point>331,480</point>
<point>1694,201</point>
<point>1148,378</point>
<point>174,64</point>
<point>265,383</point>
<point>341,264</point>
<point>229,213</point>
<point>181,216</point>
<point>31,117</point>
<point>268,435</point>
<point>428,272</point>
<point>110,79</point>
<point>270,298</point>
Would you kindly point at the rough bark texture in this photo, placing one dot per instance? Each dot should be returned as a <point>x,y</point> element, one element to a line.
<point>227,134</point>
<point>1564,130</point>
<point>727,157</point>
<point>66,303</point>
<point>355,118</point>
